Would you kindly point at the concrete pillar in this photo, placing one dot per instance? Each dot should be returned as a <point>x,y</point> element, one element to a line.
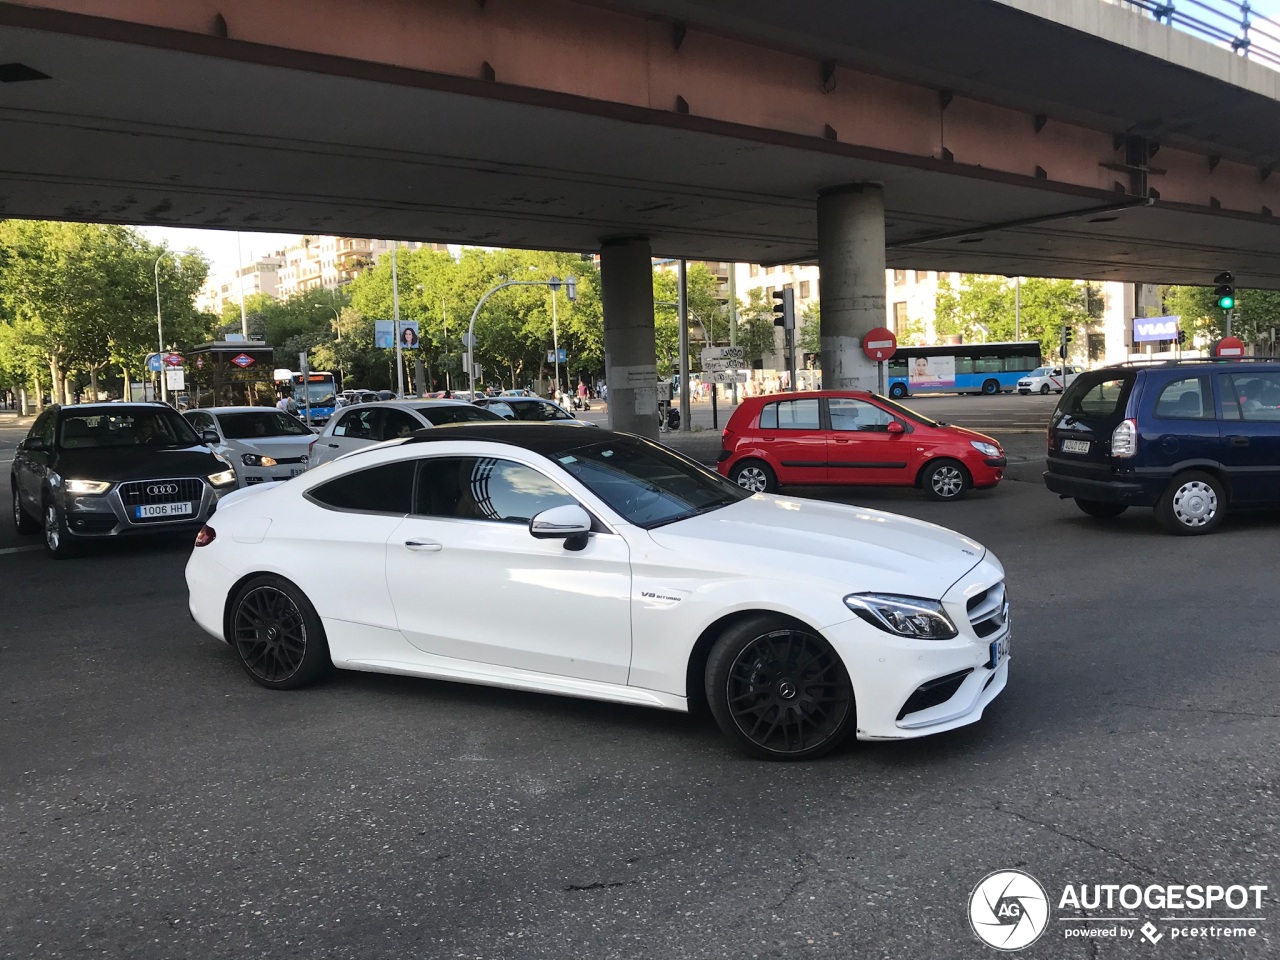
<point>630,366</point>
<point>851,260</point>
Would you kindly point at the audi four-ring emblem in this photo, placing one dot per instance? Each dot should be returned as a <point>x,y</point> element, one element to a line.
<point>160,489</point>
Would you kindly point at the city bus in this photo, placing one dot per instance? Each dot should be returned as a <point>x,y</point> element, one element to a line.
<point>961,368</point>
<point>320,390</point>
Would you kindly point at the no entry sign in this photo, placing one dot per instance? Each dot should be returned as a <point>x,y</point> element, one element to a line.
<point>880,344</point>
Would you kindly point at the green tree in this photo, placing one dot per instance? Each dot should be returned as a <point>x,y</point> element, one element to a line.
<point>1256,313</point>
<point>809,336</point>
<point>706,314</point>
<point>983,310</point>
<point>756,330</point>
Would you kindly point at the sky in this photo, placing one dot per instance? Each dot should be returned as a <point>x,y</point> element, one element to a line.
<point>220,245</point>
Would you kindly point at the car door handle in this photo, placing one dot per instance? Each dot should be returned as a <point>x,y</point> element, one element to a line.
<point>843,440</point>
<point>1239,441</point>
<point>429,546</point>
<point>333,446</point>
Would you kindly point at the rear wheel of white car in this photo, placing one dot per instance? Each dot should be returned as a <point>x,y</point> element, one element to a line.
<point>277,634</point>
<point>779,690</point>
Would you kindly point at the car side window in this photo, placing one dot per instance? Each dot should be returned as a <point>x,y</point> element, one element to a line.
<point>200,421</point>
<point>791,415</point>
<point>1186,398</point>
<point>397,423</point>
<point>43,427</point>
<point>485,488</point>
<point>384,489</point>
<point>358,424</point>
<point>1252,396</point>
<point>848,414</point>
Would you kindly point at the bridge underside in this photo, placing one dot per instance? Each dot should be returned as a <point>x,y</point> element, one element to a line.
<point>144,125</point>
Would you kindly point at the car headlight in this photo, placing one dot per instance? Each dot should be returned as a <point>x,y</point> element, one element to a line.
<point>223,478</point>
<point>986,449</point>
<point>255,460</point>
<point>87,486</point>
<point>903,616</point>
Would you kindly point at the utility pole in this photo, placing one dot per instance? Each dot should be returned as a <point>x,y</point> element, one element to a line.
<point>395,309</point>
<point>683,308</point>
<point>733,321</point>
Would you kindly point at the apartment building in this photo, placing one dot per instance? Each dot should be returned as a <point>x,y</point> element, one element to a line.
<point>331,262</point>
<point>227,286</point>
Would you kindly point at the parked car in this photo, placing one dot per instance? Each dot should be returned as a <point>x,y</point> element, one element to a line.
<point>262,443</point>
<point>97,470</point>
<point>351,397</point>
<point>624,571</point>
<point>366,424</point>
<point>1044,379</point>
<point>532,409</point>
<point>853,437</point>
<point>1193,439</point>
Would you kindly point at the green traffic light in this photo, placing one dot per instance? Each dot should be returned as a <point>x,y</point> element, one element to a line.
<point>1227,303</point>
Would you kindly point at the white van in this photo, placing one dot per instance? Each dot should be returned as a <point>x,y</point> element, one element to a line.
<point>1044,379</point>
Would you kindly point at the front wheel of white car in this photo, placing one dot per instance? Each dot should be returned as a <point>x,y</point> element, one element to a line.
<point>779,690</point>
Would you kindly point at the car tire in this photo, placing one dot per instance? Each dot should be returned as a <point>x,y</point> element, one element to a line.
<point>1101,510</point>
<point>991,387</point>
<point>897,391</point>
<point>767,677</point>
<point>945,480</point>
<point>277,634</point>
<point>1044,389</point>
<point>23,522</point>
<point>57,540</point>
<point>754,475</point>
<point>1194,503</point>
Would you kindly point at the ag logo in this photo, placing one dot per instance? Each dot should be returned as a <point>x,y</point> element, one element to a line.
<point>1008,910</point>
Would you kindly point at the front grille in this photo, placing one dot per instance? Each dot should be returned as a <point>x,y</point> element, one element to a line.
<point>138,493</point>
<point>989,610</point>
<point>933,692</point>
<point>290,459</point>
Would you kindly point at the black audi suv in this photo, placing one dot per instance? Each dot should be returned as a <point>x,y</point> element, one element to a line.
<point>99,470</point>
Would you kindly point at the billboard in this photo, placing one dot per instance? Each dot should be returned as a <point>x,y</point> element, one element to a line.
<point>384,334</point>
<point>931,371</point>
<point>1146,329</point>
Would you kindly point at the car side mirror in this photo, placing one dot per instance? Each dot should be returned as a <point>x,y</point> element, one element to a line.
<point>210,437</point>
<point>895,427</point>
<point>569,523</point>
<point>34,443</point>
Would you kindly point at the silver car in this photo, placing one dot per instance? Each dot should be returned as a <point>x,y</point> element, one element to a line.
<point>262,443</point>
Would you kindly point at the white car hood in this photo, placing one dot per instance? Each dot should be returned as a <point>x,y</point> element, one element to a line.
<point>860,549</point>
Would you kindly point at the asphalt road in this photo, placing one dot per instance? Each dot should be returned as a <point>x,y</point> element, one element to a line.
<point>156,804</point>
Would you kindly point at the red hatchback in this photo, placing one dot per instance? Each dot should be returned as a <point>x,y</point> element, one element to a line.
<point>847,436</point>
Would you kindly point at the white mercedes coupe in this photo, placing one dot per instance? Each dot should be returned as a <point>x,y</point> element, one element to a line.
<point>602,565</point>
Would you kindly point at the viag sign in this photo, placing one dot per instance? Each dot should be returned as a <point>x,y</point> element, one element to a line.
<point>1155,328</point>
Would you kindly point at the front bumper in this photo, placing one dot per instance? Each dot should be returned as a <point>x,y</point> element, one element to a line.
<point>887,671</point>
<point>248,476</point>
<point>106,515</point>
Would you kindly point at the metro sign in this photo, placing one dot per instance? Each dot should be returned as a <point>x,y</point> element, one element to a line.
<point>173,359</point>
<point>242,361</point>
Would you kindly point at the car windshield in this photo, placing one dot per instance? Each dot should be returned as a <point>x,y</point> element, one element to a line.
<point>460,413</point>
<point>906,412</point>
<point>538,411</point>
<point>1039,372</point>
<point>267,423</point>
<point>646,484</point>
<point>125,428</point>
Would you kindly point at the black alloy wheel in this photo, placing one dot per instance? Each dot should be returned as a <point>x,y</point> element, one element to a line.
<point>779,690</point>
<point>23,522</point>
<point>277,634</point>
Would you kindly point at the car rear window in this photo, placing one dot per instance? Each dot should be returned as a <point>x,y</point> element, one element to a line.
<point>1097,396</point>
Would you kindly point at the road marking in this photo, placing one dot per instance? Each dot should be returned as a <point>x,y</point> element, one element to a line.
<point>20,549</point>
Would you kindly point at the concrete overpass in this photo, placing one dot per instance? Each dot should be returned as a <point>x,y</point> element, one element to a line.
<point>1007,136</point>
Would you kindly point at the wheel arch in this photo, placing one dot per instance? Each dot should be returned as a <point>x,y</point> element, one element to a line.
<point>235,589</point>
<point>696,668</point>
<point>1213,468</point>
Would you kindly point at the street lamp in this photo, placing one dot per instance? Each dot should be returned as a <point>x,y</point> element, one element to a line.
<point>570,289</point>
<point>164,386</point>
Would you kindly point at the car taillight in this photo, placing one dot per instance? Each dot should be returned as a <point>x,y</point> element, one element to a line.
<point>1124,439</point>
<point>206,536</point>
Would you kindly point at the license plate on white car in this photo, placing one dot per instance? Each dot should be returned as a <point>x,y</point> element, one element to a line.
<point>1075,446</point>
<point>296,471</point>
<point>999,651</point>
<point>163,510</point>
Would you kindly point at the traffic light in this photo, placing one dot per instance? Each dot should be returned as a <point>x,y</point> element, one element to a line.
<point>1067,335</point>
<point>784,311</point>
<point>1182,337</point>
<point>1225,291</point>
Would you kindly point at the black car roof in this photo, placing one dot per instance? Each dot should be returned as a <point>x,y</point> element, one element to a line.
<point>543,438</point>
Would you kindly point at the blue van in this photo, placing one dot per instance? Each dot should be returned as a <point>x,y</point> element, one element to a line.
<point>1193,439</point>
